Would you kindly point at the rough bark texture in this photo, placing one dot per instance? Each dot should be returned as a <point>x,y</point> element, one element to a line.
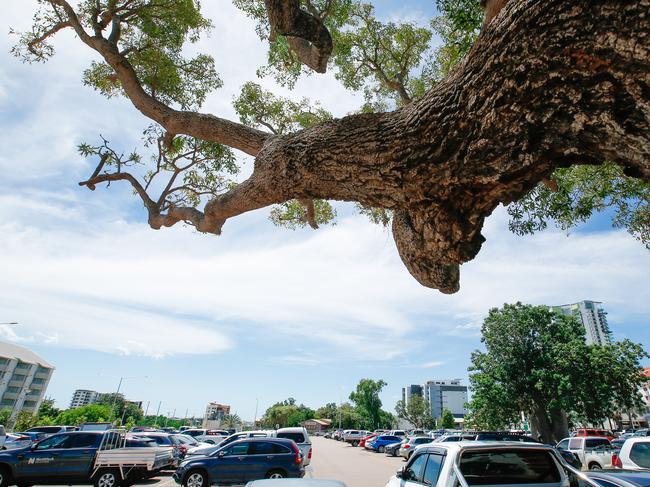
<point>306,34</point>
<point>548,84</point>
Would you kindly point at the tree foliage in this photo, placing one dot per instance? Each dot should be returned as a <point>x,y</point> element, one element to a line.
<point>416,411</point>
<point>185,173</point>
<point>537,362</point>
<point>91,413</point>
<point>366,399</point>
<point>286,413</point>
<point>447,420</point>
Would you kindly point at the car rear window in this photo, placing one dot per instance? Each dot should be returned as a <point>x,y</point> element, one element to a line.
<point>297,437</point>
<point>508,467</point>
<point>595,442</point>
<point>640,454</point>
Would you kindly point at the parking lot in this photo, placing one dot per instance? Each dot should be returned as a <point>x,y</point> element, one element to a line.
<point>336,460</point>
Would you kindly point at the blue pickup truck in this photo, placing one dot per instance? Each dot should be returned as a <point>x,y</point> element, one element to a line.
<point>79,457</point>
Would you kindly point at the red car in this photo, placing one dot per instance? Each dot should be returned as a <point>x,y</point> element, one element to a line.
<point>366,440</point>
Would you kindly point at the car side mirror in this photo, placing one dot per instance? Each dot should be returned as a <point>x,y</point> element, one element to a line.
<point>402,473</point>
<point>221,454</point>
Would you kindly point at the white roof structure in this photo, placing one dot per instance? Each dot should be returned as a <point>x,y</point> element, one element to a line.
<point>11,351</point>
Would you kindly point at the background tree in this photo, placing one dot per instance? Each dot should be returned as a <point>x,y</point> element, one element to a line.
<point>440,143</point>
<point>286,413</point>
<point>90,413</point>
<point>231,421</point>
<point>329,411</point>
<point>537,362</point>
<point>366,399</point>
<point>447,419</point>
<point>417,412</point>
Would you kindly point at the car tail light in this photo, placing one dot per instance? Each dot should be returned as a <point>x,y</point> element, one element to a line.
<point>309,455</point>
<point>406,447</point>
<point>296,450</point>
<point>616,461</point>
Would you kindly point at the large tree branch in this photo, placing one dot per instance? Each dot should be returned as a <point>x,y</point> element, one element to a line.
<point>549,83</point>
<point>202,126</point>
<point>306,33</point>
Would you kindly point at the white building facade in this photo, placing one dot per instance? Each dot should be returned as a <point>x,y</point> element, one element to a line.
<point>83,397</point>
<point>593,317</point>
<point>446,394</point>
<point>24,377</point>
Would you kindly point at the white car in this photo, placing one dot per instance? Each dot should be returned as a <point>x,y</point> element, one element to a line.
<point>300,436</point>
<point>483,463</point>
<point>207,436</point>
<point>634,454</point>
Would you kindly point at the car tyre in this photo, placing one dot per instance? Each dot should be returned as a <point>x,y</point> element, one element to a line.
<point>381,449</point>
<point>196,478</point>
<point>108,477</point>
<point>275,474</point>
<point>5,477</point>
<point>355,443</point>
<point>595,466</point>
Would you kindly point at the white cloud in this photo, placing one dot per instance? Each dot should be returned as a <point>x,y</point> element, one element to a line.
<point>434,363</point>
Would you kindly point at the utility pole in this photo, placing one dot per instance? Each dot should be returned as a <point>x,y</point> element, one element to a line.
<point>257,402</point>
<point>146,410</point>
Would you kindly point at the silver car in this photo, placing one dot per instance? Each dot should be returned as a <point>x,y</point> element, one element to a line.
<point>407,448</point>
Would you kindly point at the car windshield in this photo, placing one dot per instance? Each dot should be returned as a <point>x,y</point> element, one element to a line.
<point>509,467</point>
<point>44,429</point>
<point>297,437</point>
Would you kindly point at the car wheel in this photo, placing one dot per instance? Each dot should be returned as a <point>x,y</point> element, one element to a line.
<point>5,477</point>
<point>355,443</point>
<point>595,466</point>
<point>275,474</point>
<point>109,477</point>
<point>381,449</point>
<point>195,478</point>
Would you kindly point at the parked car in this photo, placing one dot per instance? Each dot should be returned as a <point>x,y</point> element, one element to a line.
<point>498,436</point>
<point>301,437</point>
<point>408,448</point>
<point>51,430</point>
<point>634,454</point>
<point>642,432</point>
<point>595,453</point>
<point>78,457</point>
<point>482,463</point>
<point>187,442</point>
<point>595,432</point>
<point>243,461</point>
<point>16,440</point>
<point>379,444</point>
<point>620,478</point>
<point>354,437</point>
<point>454,438</point>
<point>33,435</point>
<point>207,436</point>
<point>401,433</point>
<point>366,440</point>
<point>392,450</point>
<point>209,448</point>
<point>164,440</point>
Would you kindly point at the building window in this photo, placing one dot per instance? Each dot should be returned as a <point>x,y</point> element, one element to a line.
<point>38,381</point>
<point>22,366</point>
<point>42,370</point>
<point>7,402</point>
<point>13,389</point>
<point>29,404</point>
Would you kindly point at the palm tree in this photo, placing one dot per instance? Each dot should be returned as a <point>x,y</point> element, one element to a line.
<point>230,421</point>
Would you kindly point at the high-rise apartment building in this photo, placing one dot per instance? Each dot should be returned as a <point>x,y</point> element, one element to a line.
<point>83,397</point>
<point>446,394</point>
<point>24,377</point>
<point>593,317</point>
<point>409,391</point>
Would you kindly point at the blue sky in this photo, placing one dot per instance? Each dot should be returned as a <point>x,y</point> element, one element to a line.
<point>260,313</point>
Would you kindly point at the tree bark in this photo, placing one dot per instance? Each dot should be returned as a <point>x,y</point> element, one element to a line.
<point>549,83</point>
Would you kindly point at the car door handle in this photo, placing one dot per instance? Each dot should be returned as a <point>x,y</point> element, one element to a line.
<point>269,457</point>
<point>241,458</point>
